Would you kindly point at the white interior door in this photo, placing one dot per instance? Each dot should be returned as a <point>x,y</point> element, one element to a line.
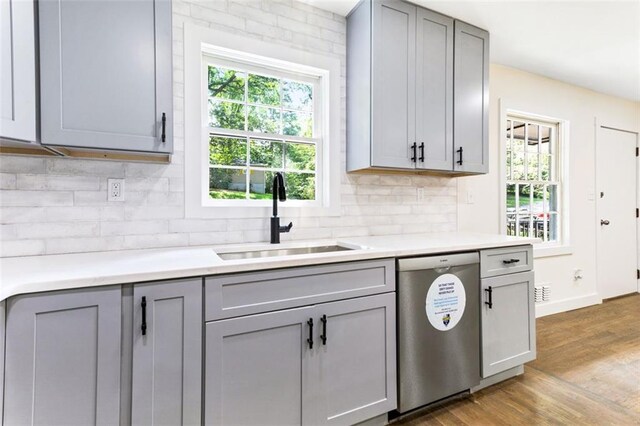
<point>616,183</point>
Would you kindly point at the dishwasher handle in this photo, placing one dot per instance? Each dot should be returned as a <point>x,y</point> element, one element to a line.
<point>490,302</point>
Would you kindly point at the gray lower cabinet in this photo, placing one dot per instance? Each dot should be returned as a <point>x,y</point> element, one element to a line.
<point>106,80</point>
<point>508,322</point>
<point>167,353</point>
<point>62,363</point>
<point>332,363</point>
<point>17,70</point>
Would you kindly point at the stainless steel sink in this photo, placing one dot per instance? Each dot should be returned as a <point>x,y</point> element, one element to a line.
<point>255,254</point>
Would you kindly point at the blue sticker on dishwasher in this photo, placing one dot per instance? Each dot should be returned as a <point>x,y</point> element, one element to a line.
<point>445,303</point>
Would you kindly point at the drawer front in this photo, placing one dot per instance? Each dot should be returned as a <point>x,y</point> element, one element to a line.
<point>508,260</point>
<point>235,295</point>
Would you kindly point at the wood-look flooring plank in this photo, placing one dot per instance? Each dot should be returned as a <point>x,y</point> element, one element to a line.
<point>587,373</point>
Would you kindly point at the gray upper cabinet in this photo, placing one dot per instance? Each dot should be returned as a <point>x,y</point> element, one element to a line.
<point>167,354</point>
<point>434,101</point>
<point>417,90</point>
<point>17,70</point>
<point>471,99</point>
<point>393,91</point>
<point>63,358</point>
<point>508,322</point>
<point>105,78</point>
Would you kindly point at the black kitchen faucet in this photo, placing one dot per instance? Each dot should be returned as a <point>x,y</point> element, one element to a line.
<point>279,192</point>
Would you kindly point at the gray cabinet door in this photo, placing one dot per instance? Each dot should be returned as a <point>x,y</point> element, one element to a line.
<point>63,358</point>
<point>357,359</point>
<point>257,370</point>
<point>167,359</point>
<point>434,88</point>
<point>106,79</point>
<point>509,325</point>
<point>393,84</point>
<point>17,70</point>
<point>471,99</point>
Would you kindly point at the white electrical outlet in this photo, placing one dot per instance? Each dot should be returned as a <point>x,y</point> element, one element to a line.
<point>115,189</point>
<point>420,193</point>
<point>470,198</point>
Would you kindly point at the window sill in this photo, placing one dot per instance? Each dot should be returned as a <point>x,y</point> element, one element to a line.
<point>541,251</point>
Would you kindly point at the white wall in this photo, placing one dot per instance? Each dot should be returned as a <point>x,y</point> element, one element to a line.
<point>57,205</point>
<point>539,95</point>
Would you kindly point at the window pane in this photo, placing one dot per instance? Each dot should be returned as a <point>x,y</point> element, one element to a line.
<point>553,227</point>
<point>552,198</point>
<point>226,84</point>
<point>517,167</point>
<point>260,184</point>
<point>509,165</point>
<point>300,186</point>
<point>266,120</point>
<point>546,145</point>
<point>266,153</point>
<point>524,209</point>
<point>545,167</point>
<point>226,115</point>
<point>264,90</point>
<point>538,200</point>
<point>227,184</point>
<point>296,123</point>
<point>532,135</point>
<point>532,166</point>
<point>227,151</point>
<point>301,156</point>
<point>297,95</point>
<point>518,131</point>
<point>511,209</point>
<point>538,225</point>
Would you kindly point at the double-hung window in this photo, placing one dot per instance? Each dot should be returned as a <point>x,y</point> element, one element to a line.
<point>533,179</point>
<point>261,120</point>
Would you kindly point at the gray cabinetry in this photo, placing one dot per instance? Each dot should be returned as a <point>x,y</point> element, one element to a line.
<point>63,358</point>
<point>393,94</point>
<point>332,362</point>
<point>258,370</point>
<point>17,70</point>
<point>356,344</point>
<point>471,99</point>
<point>507,314</point>
<point>107,74</point>
<point>408,69</point>
<point>167,373</point>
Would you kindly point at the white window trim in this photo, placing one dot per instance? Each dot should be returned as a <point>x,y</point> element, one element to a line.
<point>542,249</point>
<point>199,40</point>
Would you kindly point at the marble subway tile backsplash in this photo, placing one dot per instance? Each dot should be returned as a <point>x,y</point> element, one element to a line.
<point>59,205</point>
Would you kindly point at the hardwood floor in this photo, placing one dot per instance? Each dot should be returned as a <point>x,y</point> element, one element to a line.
<point>587,373</point>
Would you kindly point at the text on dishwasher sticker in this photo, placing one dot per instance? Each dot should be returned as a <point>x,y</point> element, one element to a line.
<point>445,303</point>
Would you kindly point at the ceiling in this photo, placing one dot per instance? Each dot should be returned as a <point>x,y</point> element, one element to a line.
<point>593,44</point>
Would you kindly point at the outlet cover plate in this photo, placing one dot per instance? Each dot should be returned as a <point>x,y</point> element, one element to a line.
<point>115,189</point>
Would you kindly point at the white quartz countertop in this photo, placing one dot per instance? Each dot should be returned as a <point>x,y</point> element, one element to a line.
<point>19,275</point>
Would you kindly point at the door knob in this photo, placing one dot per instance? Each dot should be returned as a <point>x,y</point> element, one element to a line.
<point>604,222</point>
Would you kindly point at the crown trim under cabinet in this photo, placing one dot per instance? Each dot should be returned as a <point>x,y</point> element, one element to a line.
<point>413,76</point>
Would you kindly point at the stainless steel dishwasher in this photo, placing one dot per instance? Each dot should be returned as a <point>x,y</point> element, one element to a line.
<point>438,327</point>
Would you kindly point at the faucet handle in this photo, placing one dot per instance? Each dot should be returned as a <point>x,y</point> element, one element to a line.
<point>286,228</point>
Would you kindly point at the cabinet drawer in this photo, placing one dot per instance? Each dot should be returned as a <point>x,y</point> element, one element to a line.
<point>244,294</point>
<point>508,260</point>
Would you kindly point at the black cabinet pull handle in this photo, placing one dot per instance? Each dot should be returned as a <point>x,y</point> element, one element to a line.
<point>414,149</point>
<point>323,336</point>
<point>143,327</point>
<point>510,261</point>
<point>310,339</point>
<point>490,302</point>
<point>422,152</point>
<point>163,137</point>
<point>459,151</point>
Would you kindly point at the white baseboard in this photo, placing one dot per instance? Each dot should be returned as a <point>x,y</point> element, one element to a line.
<point>567,305</point>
